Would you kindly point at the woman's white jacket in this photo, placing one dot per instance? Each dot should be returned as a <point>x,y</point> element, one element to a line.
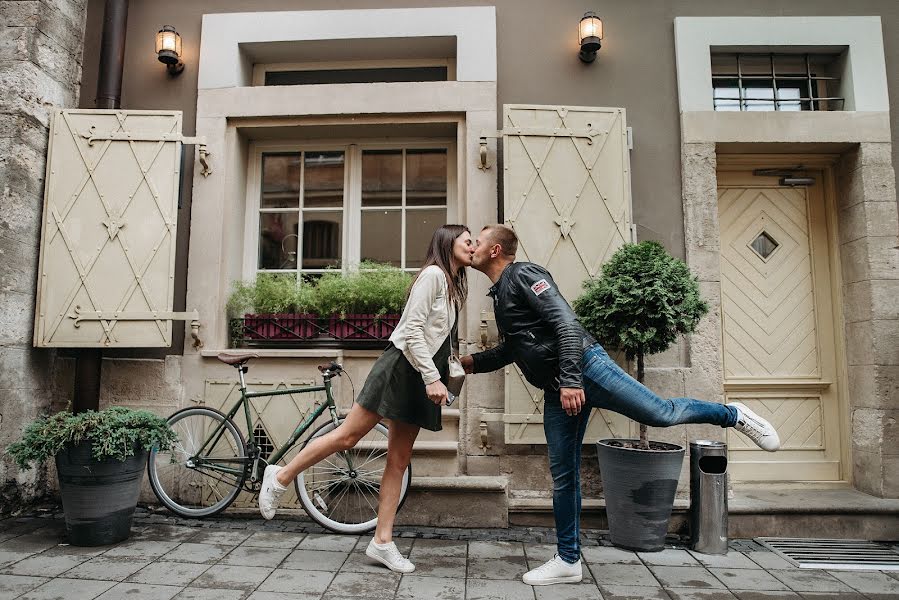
<point>426,322</point>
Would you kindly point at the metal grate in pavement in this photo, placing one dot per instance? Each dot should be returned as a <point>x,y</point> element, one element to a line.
<point>807,553</point>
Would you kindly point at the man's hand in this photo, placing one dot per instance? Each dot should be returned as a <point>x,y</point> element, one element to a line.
<point>436,392</point>
<point>467,363</point>
<point>573,400</point>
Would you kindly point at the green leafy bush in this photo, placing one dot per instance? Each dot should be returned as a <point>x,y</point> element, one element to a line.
<point>271,293</point>
<point>114,433</point>
<point>643,300</point>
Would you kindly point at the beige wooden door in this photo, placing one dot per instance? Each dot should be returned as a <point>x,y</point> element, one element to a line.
<point>777,320</point>
<point>567,196</point>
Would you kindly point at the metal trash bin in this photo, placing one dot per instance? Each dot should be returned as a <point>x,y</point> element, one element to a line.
<point>708,496</point>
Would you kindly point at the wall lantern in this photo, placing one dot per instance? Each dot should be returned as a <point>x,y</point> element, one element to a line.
<point>168,49</point>
<point>589,36</point>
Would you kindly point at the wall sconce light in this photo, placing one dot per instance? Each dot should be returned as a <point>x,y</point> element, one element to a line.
<point>589,36</point>
<point>168,49</point>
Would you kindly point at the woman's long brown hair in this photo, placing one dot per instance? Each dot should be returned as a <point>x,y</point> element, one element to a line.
<point>440,253</point>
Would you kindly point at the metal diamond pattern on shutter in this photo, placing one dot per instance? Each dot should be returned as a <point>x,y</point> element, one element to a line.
<point>107,261</point>
<point>567,196</point>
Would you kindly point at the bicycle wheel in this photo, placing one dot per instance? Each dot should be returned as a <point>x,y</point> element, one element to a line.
<point>199,486</point>
<point>344,499</point>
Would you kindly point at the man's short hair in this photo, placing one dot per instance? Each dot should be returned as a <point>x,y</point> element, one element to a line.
<point>504,236</point>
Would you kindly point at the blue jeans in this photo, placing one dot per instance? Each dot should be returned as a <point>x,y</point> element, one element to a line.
<point>606,386</point>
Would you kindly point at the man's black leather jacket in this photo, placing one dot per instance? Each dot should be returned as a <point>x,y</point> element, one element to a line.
<point>540,332</point>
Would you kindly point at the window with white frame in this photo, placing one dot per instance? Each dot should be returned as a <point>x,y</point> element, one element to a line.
<point>326,206</point>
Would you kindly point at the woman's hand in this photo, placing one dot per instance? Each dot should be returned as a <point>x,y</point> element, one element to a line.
<point>437,392</point>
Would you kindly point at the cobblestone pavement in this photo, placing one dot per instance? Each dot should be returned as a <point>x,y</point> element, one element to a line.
<point>244,557</point>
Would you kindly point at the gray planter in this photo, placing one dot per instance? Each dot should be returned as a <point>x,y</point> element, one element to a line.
<point>98,496</point>
<point>639,487</point>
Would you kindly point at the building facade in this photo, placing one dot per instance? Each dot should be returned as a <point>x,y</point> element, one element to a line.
<point>754,141</point>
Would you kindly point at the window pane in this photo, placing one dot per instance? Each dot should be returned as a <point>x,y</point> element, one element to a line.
<point>420,227</point>
<point>381,236</point>
<point>426,177</point>
<point>280,181</point>
<point>382,177</point>
<point>321,239</point>
<point>324,179</point>
<point>278,240</point>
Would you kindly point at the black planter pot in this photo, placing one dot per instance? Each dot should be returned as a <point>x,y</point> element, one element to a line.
<point>98,497</point>
<point>639,487</point>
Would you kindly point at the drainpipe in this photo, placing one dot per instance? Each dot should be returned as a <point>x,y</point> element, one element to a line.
<point>88,361</point>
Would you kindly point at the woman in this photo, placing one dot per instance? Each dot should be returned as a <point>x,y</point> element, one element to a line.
<point>411,372</point>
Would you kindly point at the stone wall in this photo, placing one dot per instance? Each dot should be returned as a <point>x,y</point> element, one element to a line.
<point>41,44</point>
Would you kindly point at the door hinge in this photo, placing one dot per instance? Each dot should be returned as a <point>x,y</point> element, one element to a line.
<point>156,315</point>
<point>630,138</point>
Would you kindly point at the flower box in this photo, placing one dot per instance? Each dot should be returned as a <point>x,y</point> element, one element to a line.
<point>280,326</point>
<point>362,326</point>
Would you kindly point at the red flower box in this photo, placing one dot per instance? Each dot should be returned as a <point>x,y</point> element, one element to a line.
<point>362,327</point>
<point>281,326</point>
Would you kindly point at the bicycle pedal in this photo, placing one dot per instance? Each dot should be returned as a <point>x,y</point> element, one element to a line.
<point>320,501</point>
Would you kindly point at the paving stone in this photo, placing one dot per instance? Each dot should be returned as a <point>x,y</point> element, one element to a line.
<point>698,594</point>
<point>868,582</point>
<point>769,560</point>
<point>731,560</point>
<point>748,579</point>
<point>169,573</point>
<point>205,554</point>
<point>314,560</point>
<point>608,555</point>
<point>495,589</point>
<point>193,593</point>
<point>44,565</point>
<point>440,566</point>
<point>232,578</point>
<point>413,587</point>
<point>810,581</point>
<point>14,585</point>
<point>8,557</point>
<point>140,591</point>
<point>274,539</point>
<point>686,577</point>
<point>306,583</point>
<point>250,556</point>
<point>33,542</point>
<point>668,558</point>
<point>404,545</point>
<point>633,592</point>
<point>579,591</point>
<point>371,586</point>
<point>357,562</point>
<point>841,596</point>
<point>111,569</point>
<point>479,550</point>
<point>622,574</point>
<point>257,595</point>
<point>222,538</point>
<point>68,589</point>
<point>765,595</point>
<point>331,543</point>
<point>540,552</point>
<point>497,568</point>
<point>435,548</point>
<point>165,533</point>
<point>149,549</point>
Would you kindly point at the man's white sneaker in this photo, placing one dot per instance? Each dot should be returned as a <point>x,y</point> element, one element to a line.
<point>388,555</point>
<point>756,428</point>
<point>553,571</point>
<point>270,493</point>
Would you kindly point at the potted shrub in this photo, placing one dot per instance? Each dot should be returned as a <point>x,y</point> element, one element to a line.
<point>643,301</point>
<point>366,304</point>
<point>273,307</point>
<point>100,460</point>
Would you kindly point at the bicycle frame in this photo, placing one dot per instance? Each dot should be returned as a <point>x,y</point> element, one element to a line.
<point>245,398</point>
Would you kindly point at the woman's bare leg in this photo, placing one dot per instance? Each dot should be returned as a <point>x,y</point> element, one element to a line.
<point>400,437</point>
<point>359,422</point>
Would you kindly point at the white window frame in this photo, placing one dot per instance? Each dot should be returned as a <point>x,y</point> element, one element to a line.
<point>351,240</point>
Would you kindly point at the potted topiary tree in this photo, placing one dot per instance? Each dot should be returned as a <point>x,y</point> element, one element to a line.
<point>643,301</point>
<point>100,460</point>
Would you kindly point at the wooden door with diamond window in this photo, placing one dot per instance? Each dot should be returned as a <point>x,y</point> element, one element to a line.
<point>777,321</point>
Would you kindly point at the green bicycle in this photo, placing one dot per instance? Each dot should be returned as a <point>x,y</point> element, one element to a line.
<point>212,463</point>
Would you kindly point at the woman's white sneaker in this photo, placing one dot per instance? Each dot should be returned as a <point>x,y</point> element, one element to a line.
<point>270,493</point>
<point>553,571</point>
<point>389,556</point>
<point>756,428</point>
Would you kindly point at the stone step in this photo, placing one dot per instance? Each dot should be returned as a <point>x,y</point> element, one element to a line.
<point>449,502</point>
<point>450,429</point>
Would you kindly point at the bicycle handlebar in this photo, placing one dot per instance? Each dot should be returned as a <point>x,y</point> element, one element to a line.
<point>332,367</point>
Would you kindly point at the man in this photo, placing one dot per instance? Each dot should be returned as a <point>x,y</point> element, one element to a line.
<point>541,335</point>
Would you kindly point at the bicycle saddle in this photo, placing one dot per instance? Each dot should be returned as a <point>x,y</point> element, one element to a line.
<point>235,360</point>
